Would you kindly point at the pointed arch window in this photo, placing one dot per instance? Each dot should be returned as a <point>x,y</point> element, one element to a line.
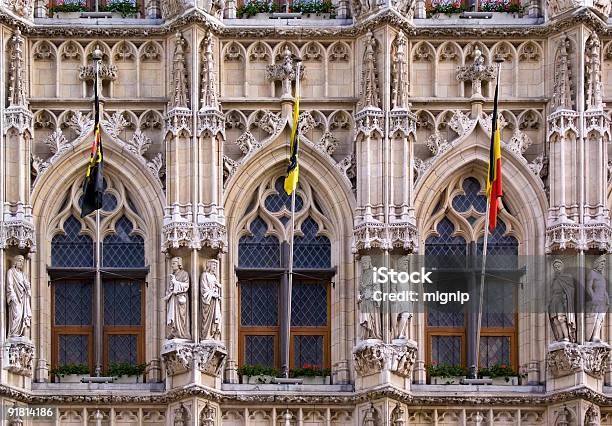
<point>73,278</point>
<point>263,256</point>
<point>451,328</point>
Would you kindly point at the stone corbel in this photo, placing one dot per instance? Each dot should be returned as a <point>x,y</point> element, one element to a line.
<point>369,121</point>
<point>566,358</point>
<point>210,356</point>
<point>373,356</point>
<point>178,356</point>
<point>19,352</point>
<point>370,234</point>
<point>178,122</point>
<point>211,122</point>
<point>213,235</point>
<point>17,228</point>
<point>19,118</point>
<point>404,235</point>
<point>402,122</point>
<point>177,234</point>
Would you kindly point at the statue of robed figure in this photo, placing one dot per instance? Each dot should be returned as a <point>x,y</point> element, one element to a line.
<point>177,302</point>
<point>210,302</point>
<point>562,306</point>
<point>18,295</point>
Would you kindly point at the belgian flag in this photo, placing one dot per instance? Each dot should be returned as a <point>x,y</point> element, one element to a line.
<point>494,177</point>
<point>293,170</point>
<point>93,186</point>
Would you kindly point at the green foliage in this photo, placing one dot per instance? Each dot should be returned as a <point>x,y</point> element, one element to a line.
<point>125,369</point>
<point>309,371</point>
<point>312,6</point>
<point>254,7</point>
<point>447,7</point>
<point>125,7</point>
<point>497,370</point>
<point>257,370</point>
<point>68,7</point>
<point>446,370</point>
<point>64,370</point>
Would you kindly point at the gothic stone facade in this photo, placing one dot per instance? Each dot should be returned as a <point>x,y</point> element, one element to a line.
<point>395,125</point>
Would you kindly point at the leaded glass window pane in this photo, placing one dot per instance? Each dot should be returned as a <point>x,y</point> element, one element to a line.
<point>73,302</point>
<point>123,348</point>
<point>308,350</point>
<point>472,197</point>
<point>449,315</point>
<point>73,349</point>
<point>309,304</point>
<point>502,251</point>
<point>259,303</point>
<point>499,304</point>
<point>109,202</point>
<point>259,350</point>
<point>72,250</point>
<point>276,202</point>
<point>446,350</point>
<point>311,251</point>
<point>494,350</point>
<point>258,250</point>
<point>445,250</point>
<point>122,250</point>
<point>122,303</point>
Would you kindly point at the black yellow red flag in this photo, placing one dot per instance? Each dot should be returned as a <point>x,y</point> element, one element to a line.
<point>93,185</point>
<point>293,169</point>
<point>494,177</point>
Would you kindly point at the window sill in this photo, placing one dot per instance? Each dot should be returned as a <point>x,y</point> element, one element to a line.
<point>80,387</point>
<point>478,388</point>
<point>288,388</point>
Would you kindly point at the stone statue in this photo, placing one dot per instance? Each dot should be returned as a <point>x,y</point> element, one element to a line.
<point>177,301</point>
<point>562,307</point>
<point>18,295</point>
<point>369,309</point>
<point>210,302</point>
<point>596,300</point>
<point>400,321</point>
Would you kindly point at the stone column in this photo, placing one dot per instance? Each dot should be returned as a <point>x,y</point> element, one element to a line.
<point>384,219</point>
<point>17,236</point>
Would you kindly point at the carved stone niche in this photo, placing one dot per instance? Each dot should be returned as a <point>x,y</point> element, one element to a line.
<point>19,353</point>
<point>373,356</point>
<point>209,357</point>
<point>178,356</point>
<point>571,359</point>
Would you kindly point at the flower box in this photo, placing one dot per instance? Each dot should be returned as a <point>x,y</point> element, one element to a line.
<point>71,378</point>
<point>506,381</point>
<point>118,15</point>
<point>125,379</point>
<point>315,380</point>
<point>67,15</point>
<point>257,380</point>
<point>446,380</point>
<point>316,16</point>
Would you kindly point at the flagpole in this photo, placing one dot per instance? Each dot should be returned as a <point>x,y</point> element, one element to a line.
<point>291,235</point>
<point>97,57</point>
<point>484,262</point>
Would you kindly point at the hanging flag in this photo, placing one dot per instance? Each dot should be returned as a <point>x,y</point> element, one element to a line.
<point>293,170</point>
<point>494,178</point>
<point>93,186</point>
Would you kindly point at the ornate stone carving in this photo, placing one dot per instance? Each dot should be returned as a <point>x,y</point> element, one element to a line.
<point>270,122</point>
<point>210,94</point>
<point>210,302</point>
<point>538,165</point>
<point>209,357</point>
<point>107,72</point>
<point>171,8</point>
<point>17,115</point>
<point>247,143</point>
<point>557,7</point>
<point>369,234</point>
<point>20,355</point>
<point>179,97</point>
<point>17,82</point>
<point>596,300</point>
<point>178,121</point>
<point>603,6</point>
<point>477,73</point>
<point>364,7</point>
<point>397,416</point>
<point>229,169</point>
<point>178,357</point>
<point>17,228</point>
<point>562,305</point>
<point>373,356</point>
<point>216,8</point>
<point>399,73</point>
<point>116,124</point>
<point>566,358</point>
<point>182,416</point>
<point>139,144</point>
<point>211,122</point>
<point>403,235</point>
<point>177,301</point>
<point>369,96</point>
<point>562,91</point>
<point>518,143</point>
<point>369,310</point>
<point>18,299</point>
<point>80,123</point>
<point>562,236</point>
<point>591,416</point>
<point>461,123</point>
<point>436,144</point>
<point>402,123</point>
<point>22,8</point>
<point>328,143</point>
<point>592,73</point>
<point>284,72</point>
<point>177,232</point>
<point>405,7</point>
<point>57,143</point>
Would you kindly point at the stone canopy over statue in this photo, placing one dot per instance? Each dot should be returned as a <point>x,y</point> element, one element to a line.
<point>18,298</point>
<point>177,301</point>
<point>210,302</point>
<point>562,306</point>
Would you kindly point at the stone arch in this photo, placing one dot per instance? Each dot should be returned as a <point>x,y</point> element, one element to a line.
<point>47,197</point>
<point>337,202</point>
<point>448,57</point>
<point>422,67</point>
<point>508,75</point>
<point>338,65</point>
<point>313,55</point>
<point>232,80</point>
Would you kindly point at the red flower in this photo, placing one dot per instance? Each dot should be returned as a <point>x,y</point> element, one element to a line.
<point>503,366</point>
<point>434,363</point>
